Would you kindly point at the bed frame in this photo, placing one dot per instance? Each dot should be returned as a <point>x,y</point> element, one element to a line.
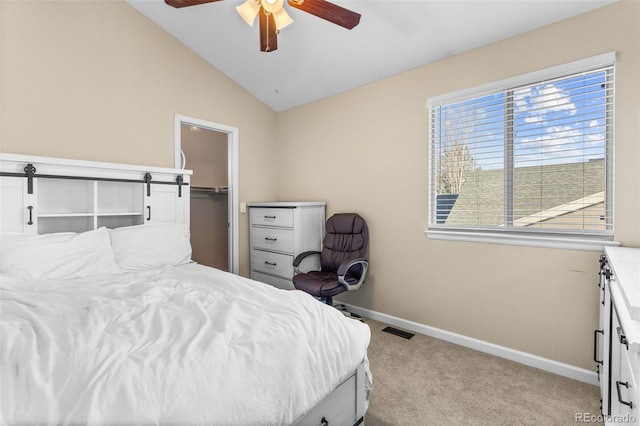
<point>44,195</point>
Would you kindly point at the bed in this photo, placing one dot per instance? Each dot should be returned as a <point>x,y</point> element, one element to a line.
<point>119,326</point>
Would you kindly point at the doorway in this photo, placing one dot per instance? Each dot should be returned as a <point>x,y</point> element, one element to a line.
<point>211,151</point>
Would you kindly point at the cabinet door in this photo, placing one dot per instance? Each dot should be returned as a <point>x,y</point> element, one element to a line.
<point>165,206</point>
<point>623,386</point>
<point>17,207</point>
<point>616,353</point>
<point>602,338</point>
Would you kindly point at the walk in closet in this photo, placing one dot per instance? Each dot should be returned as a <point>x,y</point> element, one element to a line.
<point>206,153</point>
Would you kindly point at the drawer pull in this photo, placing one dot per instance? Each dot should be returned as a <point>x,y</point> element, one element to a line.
<point>270,263</point>
<point>269,217</point>
<point>270,239</point>
<point>626,385</point>
<point>324,422</point>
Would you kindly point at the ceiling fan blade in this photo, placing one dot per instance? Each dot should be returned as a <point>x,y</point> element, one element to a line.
<point>184,3</point>
<point>268,34</point>
<point>328,11</point>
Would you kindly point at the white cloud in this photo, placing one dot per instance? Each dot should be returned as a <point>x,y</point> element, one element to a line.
<point>537,103</point>
<point>554,100</point>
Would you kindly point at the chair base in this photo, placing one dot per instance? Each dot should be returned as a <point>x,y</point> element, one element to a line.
<point>327,300</point>
<point>347,313</point>
<point>342,308</point>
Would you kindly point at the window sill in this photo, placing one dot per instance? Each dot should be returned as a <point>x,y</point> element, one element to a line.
<point>546,241</point>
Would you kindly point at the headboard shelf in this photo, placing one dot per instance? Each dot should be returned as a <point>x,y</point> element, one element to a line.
<point>44,195</point>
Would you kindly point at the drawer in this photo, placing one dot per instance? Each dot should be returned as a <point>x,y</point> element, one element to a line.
<point>271,280</point>
<point>337,408</point>
<point>280,265</point>
<point>282,217</point>
<point>272,239</point>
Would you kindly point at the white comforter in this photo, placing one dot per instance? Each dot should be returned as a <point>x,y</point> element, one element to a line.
<point>181,345</point>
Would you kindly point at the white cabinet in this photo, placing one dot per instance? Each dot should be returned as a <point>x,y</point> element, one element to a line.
<point>76,196</point>
<point>14,199</point>
<point>618,353</point>
<point>166,205</point>
<point>602,336</point>
<point>279,231</point>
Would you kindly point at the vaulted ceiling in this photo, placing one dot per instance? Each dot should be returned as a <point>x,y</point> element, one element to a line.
<point>316,58</point>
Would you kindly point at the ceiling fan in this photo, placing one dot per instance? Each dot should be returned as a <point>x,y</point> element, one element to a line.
<point>273,16</point>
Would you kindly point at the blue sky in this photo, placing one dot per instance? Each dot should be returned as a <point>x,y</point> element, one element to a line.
<point>561,121</point>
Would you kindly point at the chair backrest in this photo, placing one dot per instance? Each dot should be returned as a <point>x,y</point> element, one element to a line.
<point>346,238</point>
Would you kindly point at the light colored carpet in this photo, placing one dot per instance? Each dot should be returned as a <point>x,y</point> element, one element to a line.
<point>426,381</point>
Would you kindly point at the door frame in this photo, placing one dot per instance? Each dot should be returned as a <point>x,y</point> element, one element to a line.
<point>232,153</point>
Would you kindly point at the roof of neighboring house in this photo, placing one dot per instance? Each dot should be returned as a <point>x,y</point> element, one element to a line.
<point>561,210</point>
<point>537,189</point>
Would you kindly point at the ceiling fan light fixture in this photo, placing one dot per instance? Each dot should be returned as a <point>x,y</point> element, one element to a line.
<point>274,17</point>
<point>272,6</point>
<point>249,10</point>
<point>282,19</point>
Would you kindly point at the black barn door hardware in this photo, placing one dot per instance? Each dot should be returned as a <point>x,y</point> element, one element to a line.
<point>30,174</point>
<point>147,181</point>
<point>30,171</point>
<point>179,182</point>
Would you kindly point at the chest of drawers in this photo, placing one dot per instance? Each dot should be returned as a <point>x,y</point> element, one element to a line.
<point>279,231</point>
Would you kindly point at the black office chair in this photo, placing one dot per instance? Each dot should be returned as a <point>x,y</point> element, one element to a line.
<point>343,259</point>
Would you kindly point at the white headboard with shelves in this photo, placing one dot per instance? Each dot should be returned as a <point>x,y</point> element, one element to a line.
<point>44,195</point>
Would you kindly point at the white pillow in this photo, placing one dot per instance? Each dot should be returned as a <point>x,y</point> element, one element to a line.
<point>58,256</point>
<point>151,246</point>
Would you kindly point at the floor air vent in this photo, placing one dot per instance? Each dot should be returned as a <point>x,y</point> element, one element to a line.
<point>401,333</point>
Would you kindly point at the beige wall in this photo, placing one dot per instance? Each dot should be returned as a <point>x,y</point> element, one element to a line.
<point>206,154</point>
<point>96,80</point>
<point>366,150</point>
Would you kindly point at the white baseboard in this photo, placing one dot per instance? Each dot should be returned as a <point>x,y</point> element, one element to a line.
<point>531,360</point>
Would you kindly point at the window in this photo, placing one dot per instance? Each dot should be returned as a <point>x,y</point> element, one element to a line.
<point>527,159</point>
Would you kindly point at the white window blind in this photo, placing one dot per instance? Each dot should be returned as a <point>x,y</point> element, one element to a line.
<point>534,156</point>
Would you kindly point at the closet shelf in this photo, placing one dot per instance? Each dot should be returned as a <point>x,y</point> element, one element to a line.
<point>211,190</point>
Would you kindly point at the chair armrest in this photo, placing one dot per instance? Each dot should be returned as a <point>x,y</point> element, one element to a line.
<point>344,269</point>
<point>299,258</point>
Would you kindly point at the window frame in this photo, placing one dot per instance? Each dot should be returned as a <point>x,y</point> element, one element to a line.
<point>592,241</point>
